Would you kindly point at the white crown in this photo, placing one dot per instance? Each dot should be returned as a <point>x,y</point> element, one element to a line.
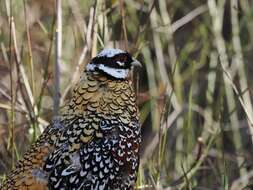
<point>110,52</point>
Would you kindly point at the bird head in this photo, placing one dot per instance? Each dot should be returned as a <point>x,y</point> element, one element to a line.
<point>114,63</point>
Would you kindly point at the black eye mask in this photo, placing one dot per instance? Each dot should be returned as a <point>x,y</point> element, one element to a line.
<point>119,61</point>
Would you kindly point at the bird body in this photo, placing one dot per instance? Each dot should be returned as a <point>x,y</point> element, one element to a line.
<point>94,144</point>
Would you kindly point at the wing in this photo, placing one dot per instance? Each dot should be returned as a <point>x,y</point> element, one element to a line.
<point>28,172</point>
<point>101,154</point>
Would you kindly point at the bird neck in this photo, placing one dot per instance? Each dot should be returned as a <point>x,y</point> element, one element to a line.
<point>97,94</point>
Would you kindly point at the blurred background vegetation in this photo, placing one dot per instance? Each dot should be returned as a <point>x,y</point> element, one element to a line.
<point>194,89</point>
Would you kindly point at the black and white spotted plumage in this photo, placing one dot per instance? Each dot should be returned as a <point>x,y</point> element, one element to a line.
<point>108,162</point>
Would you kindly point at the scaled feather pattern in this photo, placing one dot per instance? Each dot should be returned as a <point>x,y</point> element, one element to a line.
<point>95,142</point>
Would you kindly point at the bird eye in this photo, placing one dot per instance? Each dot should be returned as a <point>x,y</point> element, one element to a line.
<point>121,60</point>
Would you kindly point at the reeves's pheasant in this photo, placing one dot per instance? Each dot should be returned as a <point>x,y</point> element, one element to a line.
<point>95,142</point>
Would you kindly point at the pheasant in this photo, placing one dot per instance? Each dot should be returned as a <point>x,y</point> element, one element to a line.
<point>94,144</point>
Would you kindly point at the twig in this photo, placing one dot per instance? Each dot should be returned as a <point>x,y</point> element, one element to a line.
<point>58,54</point>
<point>195,165</point>
<point>93,47</point>
<point>241,182</point>
<point>123,18</point>
<point>34,112</point>
<point>46,76</point>
<point>9,107</point>
<point>142,28</point>
<point>11,143</point>
<point>29,46</point>
<point>78,17</point>
<point>184,20</point>
<point>245,98</point>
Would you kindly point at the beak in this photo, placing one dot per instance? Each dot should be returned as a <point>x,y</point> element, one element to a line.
<point>136,63</point>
